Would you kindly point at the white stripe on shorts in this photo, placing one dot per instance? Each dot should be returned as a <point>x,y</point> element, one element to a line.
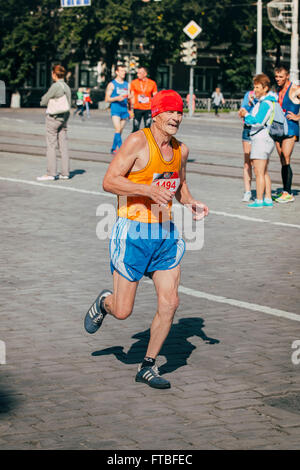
<point>118,250</point>
<point>179,252</point>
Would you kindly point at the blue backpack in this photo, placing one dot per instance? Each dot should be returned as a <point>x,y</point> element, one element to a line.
<point>277,125</point>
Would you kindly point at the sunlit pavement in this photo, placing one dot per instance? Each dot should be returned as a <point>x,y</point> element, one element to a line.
<point>231,355</point>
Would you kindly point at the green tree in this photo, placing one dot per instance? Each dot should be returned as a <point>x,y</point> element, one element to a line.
<point>233,23</point>
<point>26,29</point>
<point>40,30</point>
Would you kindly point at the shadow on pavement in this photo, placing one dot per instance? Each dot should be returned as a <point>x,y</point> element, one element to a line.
<point>8,400</point>
<point>295,192</point>
<point>76,172</point>
<point>176,349</point>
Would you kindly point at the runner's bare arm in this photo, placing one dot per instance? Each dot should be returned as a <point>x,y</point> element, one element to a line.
<point>108,92</point>
<point>295,94</point>
<point>131,95</point>
<point>183,195</point>
<point>131,155</point>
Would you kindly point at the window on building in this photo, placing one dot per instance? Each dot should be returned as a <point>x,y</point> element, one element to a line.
<point>162,77</point>
<point>31,79</point>
<point>200,81</point>
<point>87,76</point>
<point>41,75</point>
<point>37,78</point>
<point>206,80</point>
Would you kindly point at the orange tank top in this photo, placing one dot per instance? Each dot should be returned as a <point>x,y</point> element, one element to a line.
<point>158,172</point>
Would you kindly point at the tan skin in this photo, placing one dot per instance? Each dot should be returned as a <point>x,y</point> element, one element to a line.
<point>54,77</point>
<point>286,147</point>
<point>263,180</point>
<point>247,170</point>
<point>133,156</point>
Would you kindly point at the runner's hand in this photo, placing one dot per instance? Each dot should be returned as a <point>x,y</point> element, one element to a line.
<point>199,210</point>
<point>161,196</point>
<point>292,117</point>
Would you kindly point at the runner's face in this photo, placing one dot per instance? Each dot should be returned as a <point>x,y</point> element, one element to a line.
<point>169,122</point>
<point>259,90</point>
<point>281,78</point>
<point>121,72</point>
<point>141,74</point>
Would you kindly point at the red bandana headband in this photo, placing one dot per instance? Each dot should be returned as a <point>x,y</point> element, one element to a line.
<point>166,100</point>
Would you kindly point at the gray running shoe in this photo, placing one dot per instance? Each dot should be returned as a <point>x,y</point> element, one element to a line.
<point>96,313</point>
<point>150,376</point>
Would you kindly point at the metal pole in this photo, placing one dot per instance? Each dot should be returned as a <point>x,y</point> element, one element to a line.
<point>259,38</point>
<point>191,91</point>
<point>294,71</point>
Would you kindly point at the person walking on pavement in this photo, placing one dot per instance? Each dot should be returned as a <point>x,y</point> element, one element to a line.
<point>117,94</point>
<point>142,90</point>
<point>218,99</point>
<point>58,96</point>
<point>289,100</point>
<point>87,101</point>
<point>262,144</point>
<point>146,174</point>
<point>79,103</point>
<point>248,103</point>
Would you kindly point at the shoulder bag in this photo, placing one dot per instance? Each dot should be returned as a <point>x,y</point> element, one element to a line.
<point>58,105</point>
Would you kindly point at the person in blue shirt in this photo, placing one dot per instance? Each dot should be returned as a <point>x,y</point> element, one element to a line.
<point>262,144</point>
<point>248,103</point>
<point>117,94</point>
<point>289,94</point>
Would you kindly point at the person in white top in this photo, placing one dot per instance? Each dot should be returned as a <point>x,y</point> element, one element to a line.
<point>218,99</point>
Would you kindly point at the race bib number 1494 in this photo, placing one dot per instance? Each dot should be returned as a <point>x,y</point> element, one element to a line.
<point>168,180</point>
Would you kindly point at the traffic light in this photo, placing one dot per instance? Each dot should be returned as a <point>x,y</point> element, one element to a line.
<point>126,60</point>
<point>131,63</point>
<point>189,53</point>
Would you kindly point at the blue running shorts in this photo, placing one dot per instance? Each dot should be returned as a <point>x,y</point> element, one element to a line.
<point>122,114</point>
<point>138,249</point>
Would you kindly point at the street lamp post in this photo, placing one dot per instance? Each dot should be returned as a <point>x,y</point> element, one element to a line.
<point>259,38</point>
<point>191,91</point>
<point>294,71</point>
<point>283,15</point>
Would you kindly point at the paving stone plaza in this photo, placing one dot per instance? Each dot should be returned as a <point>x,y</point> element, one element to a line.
<point>233,353</point>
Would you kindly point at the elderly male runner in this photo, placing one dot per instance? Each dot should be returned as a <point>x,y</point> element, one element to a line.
<point>289,99</point>
<point>146,174</point>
